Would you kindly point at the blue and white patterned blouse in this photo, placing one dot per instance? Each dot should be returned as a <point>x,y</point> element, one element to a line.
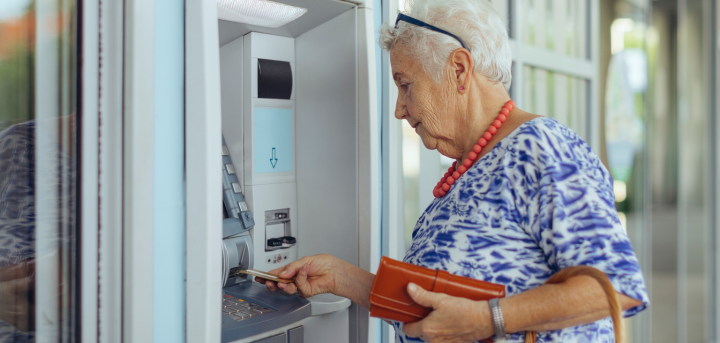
<point>17,208</point>
<point>18,176</point>
<point>538,202</point>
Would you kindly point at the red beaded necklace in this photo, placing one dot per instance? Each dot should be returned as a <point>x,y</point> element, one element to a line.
<point>449,178</point>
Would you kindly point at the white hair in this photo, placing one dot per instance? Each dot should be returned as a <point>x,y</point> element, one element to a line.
<point>474,21</point>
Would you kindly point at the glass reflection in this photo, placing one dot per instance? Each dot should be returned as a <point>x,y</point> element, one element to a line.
<point>38,161</point>
<point>17,177</point>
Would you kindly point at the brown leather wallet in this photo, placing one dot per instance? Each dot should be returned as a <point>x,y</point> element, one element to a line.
<point>389,298</point>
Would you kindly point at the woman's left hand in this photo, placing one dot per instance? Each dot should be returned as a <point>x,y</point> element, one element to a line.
<point>453,320</point>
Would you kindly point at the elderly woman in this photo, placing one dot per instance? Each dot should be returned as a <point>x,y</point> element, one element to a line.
<point>526,198</point>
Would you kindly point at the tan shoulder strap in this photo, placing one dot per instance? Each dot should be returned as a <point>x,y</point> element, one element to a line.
<point>613,301</point>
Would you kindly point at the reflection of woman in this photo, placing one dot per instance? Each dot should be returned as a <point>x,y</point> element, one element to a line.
<point>525,202</point>
<point>18,216</point>
<point>17,230</point>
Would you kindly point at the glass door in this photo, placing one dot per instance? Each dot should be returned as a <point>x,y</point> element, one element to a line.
<point>39,112</point>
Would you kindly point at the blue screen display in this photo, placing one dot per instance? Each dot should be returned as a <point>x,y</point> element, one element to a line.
<point>273,140</point>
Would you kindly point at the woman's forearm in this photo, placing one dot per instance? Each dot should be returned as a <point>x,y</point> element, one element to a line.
<point>579,300</point>
<point>354,283</point>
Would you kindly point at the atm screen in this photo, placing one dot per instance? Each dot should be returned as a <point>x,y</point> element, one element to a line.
<point>273,140</point>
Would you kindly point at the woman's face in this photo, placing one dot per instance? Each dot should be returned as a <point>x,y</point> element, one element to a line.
<point>431,108</point>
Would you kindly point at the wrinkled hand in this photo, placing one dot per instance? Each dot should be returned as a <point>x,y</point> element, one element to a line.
<point>313,275</point>
<point>453,320</point>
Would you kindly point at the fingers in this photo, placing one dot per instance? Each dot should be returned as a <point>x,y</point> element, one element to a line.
<point>419,329</point>
<point>301,282</point>
<point>291,269</point>
<point>298,270</point>
<point>287,272</point>
<point>270,284</point>
<point>301,286</point>
<point>302,275</point>
<point>413,330</point>
<point>277,271</point>
<point>274,286</point>
<point>423,297</point>
<point>288,288</point>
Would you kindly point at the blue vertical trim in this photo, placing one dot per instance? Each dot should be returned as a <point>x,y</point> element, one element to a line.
<point>169,173</point>
<point>377,23</point>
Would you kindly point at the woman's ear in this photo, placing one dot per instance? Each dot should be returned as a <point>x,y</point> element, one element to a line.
<point>462,64</point>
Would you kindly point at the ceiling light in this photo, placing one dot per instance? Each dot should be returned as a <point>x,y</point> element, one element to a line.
<point>258,12</point>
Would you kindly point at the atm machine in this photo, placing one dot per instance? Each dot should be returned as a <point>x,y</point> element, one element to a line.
<point>290,166</point>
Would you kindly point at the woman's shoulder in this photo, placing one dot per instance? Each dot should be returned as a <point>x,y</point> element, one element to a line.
<point>545,131</point>
<point>538,149</point>
<point>18,132</point>
<point>544,141</point>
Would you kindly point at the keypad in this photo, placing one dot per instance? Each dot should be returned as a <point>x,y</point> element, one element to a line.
<point>240,309</point>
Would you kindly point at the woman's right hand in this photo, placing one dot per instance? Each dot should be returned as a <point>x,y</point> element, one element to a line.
<point>313,275</point>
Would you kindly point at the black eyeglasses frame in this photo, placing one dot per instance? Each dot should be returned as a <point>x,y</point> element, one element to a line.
<point>411,20</point>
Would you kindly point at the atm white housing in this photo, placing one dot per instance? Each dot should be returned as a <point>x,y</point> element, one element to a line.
<point>333,182</point>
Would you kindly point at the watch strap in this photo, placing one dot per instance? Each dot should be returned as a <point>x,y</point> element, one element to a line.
<point>497,318</point>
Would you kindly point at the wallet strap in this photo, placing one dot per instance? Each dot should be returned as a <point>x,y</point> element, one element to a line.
<point>441,281</point>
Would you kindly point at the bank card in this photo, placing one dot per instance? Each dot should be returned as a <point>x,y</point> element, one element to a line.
<point>265,276</point>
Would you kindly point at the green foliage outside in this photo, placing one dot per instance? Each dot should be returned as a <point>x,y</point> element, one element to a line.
<point>17,80</point>
<point>17,88</point>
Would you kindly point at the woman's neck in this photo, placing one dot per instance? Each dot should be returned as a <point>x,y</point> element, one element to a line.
<point>482,108</point>
<point>516,118</point>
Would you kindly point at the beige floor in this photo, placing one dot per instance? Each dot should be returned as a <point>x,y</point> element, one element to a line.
<point>664,296</point>
<point>663,307</point>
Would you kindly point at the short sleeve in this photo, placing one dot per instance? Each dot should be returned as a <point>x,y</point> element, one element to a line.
<point>576,224</point>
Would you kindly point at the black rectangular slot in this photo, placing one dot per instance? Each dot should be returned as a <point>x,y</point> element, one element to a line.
<point>275,79</point>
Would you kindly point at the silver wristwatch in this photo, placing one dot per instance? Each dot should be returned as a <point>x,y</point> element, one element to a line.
<point>497,318</point>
